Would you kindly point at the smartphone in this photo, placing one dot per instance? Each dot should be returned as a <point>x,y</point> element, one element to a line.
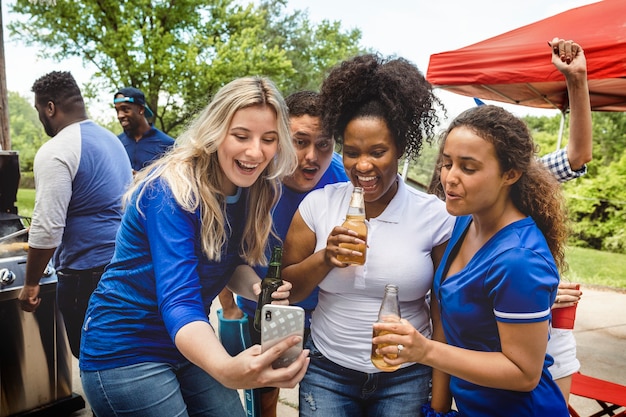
<point>277,323</point>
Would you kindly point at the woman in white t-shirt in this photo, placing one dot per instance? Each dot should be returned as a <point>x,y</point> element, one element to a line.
<point>379,110</point>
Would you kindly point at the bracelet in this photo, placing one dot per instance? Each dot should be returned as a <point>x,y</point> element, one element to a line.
<point>427,411</point>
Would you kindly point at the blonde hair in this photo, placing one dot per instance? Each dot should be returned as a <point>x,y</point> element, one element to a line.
<point>192,171</point>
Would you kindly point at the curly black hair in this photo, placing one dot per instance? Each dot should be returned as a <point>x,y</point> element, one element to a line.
<point>393,89</point>
<point>61,88</point>
<point>302,103</point>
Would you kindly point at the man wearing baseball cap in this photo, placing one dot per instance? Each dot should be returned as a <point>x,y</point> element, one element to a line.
<point>143,142</point>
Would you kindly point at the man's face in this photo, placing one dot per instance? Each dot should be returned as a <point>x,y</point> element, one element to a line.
<point>129,115</point>
<point>314,151</point>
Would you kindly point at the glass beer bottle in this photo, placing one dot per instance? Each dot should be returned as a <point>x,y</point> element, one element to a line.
<point>269,284</point>
<point>389,312</point>
<point>355,220</point>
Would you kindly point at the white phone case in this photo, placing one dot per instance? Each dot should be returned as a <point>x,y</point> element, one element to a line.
<point>277,323</point>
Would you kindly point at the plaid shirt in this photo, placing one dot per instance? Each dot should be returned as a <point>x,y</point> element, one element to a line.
<point>558,164</point>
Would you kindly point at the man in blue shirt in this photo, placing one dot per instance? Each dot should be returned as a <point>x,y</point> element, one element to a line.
<point>79,183</point>
<point>143,142</point>
<point>318,165</point>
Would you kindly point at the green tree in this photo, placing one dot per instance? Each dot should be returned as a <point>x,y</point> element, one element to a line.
<point>597,208</point>
<point>595,202</point>
<point>27,134</point>
<point>179,53</point>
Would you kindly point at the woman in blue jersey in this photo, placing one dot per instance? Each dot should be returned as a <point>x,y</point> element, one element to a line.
<point>190,219</point>
<point>499,275</point>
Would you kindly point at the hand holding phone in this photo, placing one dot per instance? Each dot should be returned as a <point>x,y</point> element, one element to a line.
<point>277,323</point>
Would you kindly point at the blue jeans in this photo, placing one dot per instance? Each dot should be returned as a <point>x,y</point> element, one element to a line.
<point>157,390</point>
<point>330,390</point>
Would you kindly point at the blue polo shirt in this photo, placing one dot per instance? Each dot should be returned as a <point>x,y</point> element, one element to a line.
<point>151,146</point>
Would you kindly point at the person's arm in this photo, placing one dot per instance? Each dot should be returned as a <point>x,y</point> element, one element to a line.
<point>569,58</point>
<point>230,309</point>
<point>250,369</point>
<point>517,367</point>
<point>302,266</point>
<point>172,235</point>
<point>441,395</point>
<point>306,268</point>
<point>36,263</point>
<point>246,283</point>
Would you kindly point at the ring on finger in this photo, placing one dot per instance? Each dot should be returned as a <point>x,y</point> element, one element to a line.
<point>400,348</point>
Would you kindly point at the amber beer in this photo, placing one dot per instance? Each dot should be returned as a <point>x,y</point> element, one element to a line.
<point>355,220</point>
<point>389,312</point>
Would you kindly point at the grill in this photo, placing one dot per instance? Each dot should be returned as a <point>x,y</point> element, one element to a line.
<point>35,359</point>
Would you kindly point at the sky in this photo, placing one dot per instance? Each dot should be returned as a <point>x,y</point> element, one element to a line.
<point>412,29</point>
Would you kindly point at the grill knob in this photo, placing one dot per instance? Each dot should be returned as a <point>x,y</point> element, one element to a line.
<point>7,277</point>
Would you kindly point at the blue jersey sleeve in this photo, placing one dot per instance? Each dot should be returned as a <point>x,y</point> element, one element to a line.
<point>522,285</point>
<point>172,235</point>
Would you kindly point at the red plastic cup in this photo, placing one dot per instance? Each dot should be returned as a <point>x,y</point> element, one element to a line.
<point>563,318</point>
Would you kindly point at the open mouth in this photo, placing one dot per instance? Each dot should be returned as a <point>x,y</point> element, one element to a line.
<point>246,166</point>
<point>368,183</point>
<point>309,172</point>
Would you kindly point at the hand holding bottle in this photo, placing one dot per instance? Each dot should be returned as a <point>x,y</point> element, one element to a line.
<point>389,313</point>
<point>414,346</point>
<point>336,245</point>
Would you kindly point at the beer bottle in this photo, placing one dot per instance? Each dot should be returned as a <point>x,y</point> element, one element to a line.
<point>269,284</point>
<point>389,312</point>
<point>355,220</point>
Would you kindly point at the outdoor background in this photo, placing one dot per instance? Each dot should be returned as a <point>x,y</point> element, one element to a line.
<point>180,54</point>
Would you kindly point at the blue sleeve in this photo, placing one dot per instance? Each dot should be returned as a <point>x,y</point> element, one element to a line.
<point>522,285</point>
<point>172,238</point>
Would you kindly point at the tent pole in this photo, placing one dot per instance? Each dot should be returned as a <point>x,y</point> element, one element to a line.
<point>561,127</point>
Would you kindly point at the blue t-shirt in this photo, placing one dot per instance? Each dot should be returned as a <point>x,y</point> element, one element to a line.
<point>151,146</point>
<point>282,214</point>
<point>513,278</point>
<point>158,281</point>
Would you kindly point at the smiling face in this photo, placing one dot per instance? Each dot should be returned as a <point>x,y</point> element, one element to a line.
<point>471,174</point>
<point>130,115</point>
<point>314,151</point>
<point>370,158</point>
<point>250,144</point>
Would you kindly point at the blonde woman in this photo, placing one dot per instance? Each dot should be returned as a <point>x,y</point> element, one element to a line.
<point>190,219</point>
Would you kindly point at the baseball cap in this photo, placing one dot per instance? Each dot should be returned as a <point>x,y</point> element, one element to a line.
<point>133,95</point>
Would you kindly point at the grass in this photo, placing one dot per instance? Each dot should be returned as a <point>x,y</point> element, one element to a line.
<point>594,267</point>
<point>587,266</point>
<point>25,201</point>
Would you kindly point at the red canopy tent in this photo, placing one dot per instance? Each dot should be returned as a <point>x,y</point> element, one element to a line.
<point>515,67</point>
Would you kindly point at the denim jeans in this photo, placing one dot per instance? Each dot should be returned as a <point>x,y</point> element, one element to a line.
<point>73,292</point>
<point>158,390</point>
<point>330,390</point>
